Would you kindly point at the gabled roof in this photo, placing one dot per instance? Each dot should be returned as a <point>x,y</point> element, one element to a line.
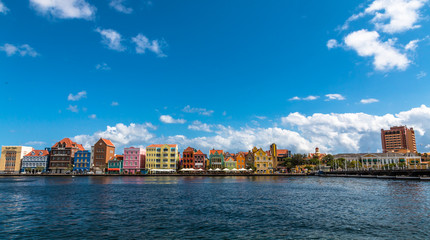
<point>213,151</point>
<point>162,145</point>
<point>189,149</point>
<point>108,142</point>
<point>69,144</point>
<point>199,153</point>
<point>39,153</point>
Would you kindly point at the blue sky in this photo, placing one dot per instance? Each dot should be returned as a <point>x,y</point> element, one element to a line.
<point>223,74</point>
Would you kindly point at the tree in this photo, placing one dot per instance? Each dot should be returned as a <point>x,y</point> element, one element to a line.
<point>327,158</point>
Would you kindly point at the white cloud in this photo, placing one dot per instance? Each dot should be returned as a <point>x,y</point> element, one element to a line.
<point>261,117</point>
<point>73,108</point>
<point>386,56</point>
<point>334,133</point>
<point>102,66</point>
<point>92,116</point>
<point>169,119</point>
<point>199,126</point>
<point>369,100</point>
<point>23,50</point>
<point>394,16</point>
<point>111,38</point>
<point>421,74</point>
<point>334,96</point>
<point>114,104</point>
<point>121,135</point>
<point>201,111</point>
<point>3,8</point>
<point>78,96</point>
<point>119,6</point>
<point>332,43</point>
<point>143,44</point>
<point>308,98</point>
<point>64,8</point>
<point>35,143</point>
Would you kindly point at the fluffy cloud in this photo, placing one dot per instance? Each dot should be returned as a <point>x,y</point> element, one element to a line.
<point>386,56</point>
<point>332,43</point>
<point>412,45</point>
<point>119,6</point>
<point>111,39</point>
<point>78,96</point>
<point>308,98</point>
<point>121,135</point>
<point>169,119</point>
<point>334,96</point>
<point>199,126</point>
<point>3,8</point>
<point>201,111</point>
<point>334,132</point>
<point>369,100</point>
<point>394,16</point>
<point>64,8</point>
<point>143,44</point>
<point>23,50</point>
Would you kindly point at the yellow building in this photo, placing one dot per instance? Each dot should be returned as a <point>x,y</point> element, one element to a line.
<point>162,157</point>
<point>11,157</point>
<point>263,162</point>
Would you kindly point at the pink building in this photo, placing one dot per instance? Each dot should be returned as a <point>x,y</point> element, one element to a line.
<point>134,160</point>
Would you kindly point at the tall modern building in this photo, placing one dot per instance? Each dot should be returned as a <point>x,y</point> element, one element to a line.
<point>11,157</point>
<point>398,139</point>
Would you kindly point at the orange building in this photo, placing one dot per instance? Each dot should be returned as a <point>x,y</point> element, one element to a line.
<point>104,150</point>
<point>240,158</point>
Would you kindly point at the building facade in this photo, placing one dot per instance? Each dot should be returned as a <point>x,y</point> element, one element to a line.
<point>240,160</point>
<point>35,161</point>
<point>199,160</point>
<point>263,162</point>
<point>134,160</point>
<point>398,139</point>
<point>11,158</point>
<point>230,163</point>
<point>187,160</point>
<point>82,161</point>
<point>380,160</point>
<point>164,157</point>
<point>62,155</point>
<point>104,150</point>
<point>115,166</point>
<point>216,159</point>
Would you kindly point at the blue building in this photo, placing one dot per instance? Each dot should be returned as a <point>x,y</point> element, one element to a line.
<point>36,161</point>
<point>82,161</point>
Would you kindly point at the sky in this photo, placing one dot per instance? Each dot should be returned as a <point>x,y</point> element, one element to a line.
<point>214,74</point>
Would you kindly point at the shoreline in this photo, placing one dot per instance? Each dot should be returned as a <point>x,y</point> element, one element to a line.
<point>158,175</point>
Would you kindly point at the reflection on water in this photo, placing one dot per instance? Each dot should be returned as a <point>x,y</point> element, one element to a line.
<point>245,207</point>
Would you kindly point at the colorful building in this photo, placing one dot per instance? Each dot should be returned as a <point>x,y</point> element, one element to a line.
<point>398,139</point>
<point>62,155</point>
<point>134,160</point>
<point>216,159</point>
<point>162,157</point>
<point>240,160</point>
<point>35,161</point>
<point>187,160</point>
<point>82,161</point>
<point>263,162</point>
<point>104,150</point>
<point>11,157</point>
<point>115,166</point>
<point>230,163</point>
<point>199,160</point>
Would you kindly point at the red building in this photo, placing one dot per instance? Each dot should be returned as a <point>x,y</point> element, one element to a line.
<point>199,160</point>
<point>188,158</point>
<point>62,155</point>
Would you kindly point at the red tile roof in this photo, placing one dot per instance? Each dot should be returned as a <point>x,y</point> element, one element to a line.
<point>213,151</point>
<point>199,153</point>
<point>69,144</point>
<point>37,153</point>
<point>161,145</point>
<point>189,149</point>
<point>282,151</point>
<point>108,142</point>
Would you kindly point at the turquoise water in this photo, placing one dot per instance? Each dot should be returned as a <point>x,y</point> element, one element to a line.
<point>213,208</point>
